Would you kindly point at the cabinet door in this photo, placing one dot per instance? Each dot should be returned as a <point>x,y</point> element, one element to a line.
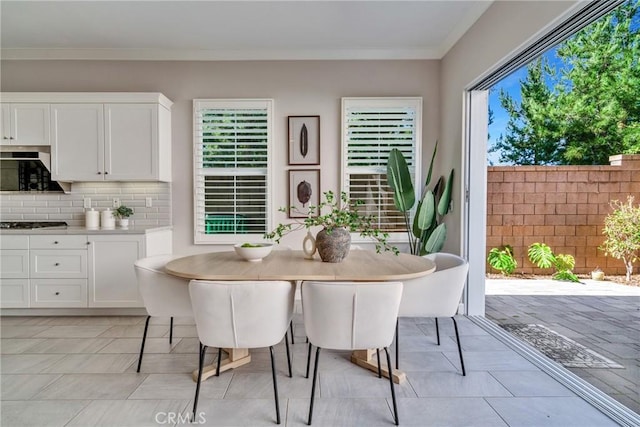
<point>58,293</point>
<point>58,264</point>
<point>77,142</point>
<point>112,279</point>
<point>14,293</point>
<point>14,263</point>
<point>131,142</point>
<point>25,124</point>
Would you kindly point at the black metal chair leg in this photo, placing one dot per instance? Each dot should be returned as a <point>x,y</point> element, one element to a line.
<point>379,367</point>
<point>171,331</point>
<point>286,343</point>
<point>203,350</point>
<point>275,384</point>
<point>308,361</point>
<point>393,391</point>
<point>291,328</point>
<point>218,363</point>
<point>397,345</point>
<point>144,338</point>
<point>437,331</point>
<point>455,326</point>
<point>313,387</point>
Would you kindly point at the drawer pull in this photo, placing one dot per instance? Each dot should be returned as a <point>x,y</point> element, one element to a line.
<point>56,264</point>
<point>55,242</point>
<point>57,293</point>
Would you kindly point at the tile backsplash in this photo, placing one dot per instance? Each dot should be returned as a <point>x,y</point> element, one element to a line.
<point>69,207</point>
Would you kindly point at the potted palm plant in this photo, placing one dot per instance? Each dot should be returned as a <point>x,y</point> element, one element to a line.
<point>122,214</point>
<point>340,218</point>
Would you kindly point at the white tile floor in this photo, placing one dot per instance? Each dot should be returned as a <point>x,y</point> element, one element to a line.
<point>80,371</point>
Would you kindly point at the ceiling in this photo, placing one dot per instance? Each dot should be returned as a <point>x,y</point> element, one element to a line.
<point>225,30</point>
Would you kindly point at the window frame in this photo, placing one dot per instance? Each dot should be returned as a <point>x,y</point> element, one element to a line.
<point>199,237</point>
<point>414,102</point>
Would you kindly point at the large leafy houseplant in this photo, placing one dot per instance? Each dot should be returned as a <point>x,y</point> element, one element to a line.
<point>428,233</point>
<point>336,213</point>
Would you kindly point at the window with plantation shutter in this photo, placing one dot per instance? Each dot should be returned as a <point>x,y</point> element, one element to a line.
<point>232,145</point>
<point>371,127</point>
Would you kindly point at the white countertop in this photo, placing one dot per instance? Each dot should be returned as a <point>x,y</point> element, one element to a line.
<point>82,230</point>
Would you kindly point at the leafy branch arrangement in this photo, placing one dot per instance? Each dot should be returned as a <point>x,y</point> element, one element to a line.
<point>342,212</point>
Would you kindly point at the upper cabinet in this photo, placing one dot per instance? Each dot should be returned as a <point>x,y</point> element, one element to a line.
<point>24,124</point>
<point>108,136</point>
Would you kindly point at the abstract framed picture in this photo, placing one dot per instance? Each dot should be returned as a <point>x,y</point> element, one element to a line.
<point>304,140</point>
<point>304,191</point>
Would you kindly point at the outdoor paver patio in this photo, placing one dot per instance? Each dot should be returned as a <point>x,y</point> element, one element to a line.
<point>602,316</point>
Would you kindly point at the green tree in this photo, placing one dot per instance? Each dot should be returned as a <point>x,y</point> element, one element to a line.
<point>599,88</point>
<point>532,130</point>
<point>593,110</point>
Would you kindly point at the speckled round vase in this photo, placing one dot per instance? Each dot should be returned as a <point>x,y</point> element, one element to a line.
<point>333,246</point>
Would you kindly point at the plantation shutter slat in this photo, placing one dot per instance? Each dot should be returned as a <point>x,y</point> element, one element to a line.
<point>371,129</point>
<point>231,156</point>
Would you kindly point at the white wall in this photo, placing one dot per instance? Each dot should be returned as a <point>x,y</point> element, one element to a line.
<point>298,88</point>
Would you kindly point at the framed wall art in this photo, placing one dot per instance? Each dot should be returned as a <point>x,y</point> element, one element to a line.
<point>304,140</point>
<point>304,191</point>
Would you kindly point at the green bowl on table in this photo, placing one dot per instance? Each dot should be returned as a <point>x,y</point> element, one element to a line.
<point>253,252</point>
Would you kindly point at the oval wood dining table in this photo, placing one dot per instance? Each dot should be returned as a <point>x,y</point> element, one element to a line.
<point>359,265</point>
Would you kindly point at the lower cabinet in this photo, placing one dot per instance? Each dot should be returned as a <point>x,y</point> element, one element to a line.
<point>14,293</point>
<point>112,279</point>
<point>52,293</point>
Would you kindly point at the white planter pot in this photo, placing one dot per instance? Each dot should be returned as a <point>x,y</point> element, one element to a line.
<point>123,223</point>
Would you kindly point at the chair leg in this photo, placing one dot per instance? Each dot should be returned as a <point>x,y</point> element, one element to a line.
<point>393,391</point>
<point>437,331</point>
<point>379,367</point>
<point>455,326</point>
<point>397,345</point>
<point>144,338</point>
<point>218,363</point>
<point>275,384</point>
<point>286,343</point>
<point>291,328</point>
<point>308,360</point>
<point>171,331</point>
<point>313,387</point>
<point>203,350</point>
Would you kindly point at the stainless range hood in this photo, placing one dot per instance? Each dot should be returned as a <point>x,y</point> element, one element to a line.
<point>40,153</point>
<point>28,168</point>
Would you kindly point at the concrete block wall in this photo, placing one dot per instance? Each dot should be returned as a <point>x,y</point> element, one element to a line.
<point>69,207</point>
<point>562,206</point>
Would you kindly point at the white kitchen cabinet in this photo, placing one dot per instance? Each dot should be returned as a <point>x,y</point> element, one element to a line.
<point>77,142</point>
<point>58,293</point>
<point>14,271</point>
<point>111,142</point>
<point>25,124</point>
<point>112,279</point>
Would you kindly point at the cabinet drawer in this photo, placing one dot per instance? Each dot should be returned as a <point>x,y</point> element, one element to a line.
<point>14,242</point>
<point>50,264</point>
<point>14,293</point>
<point>14,264</point>
<point>54,241</point>
<point>58,293</point>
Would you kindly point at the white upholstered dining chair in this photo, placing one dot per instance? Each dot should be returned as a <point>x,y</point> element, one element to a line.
<point>163,295</point>
<point>436,295</point>
<point>241,314</point>
<point>351,316</point>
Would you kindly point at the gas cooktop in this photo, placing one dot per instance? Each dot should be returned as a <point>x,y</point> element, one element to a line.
<point>31,225</point>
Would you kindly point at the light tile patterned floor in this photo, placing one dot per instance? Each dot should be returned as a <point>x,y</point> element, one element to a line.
<point>80,371</point>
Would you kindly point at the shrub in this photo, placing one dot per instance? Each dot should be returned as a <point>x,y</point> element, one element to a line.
<point>501,259</point>
<point>622,232</point>
<point>542,256</point>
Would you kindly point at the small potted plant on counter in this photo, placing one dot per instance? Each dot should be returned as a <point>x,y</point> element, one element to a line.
<point>122,214</point>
